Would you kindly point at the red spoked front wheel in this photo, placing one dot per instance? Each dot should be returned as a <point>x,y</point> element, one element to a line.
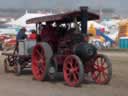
<point>102,69</point>
<point>39,66</point>
<point>73,70</point>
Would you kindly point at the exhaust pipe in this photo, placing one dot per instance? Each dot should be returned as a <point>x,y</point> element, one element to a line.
<point>84,20</point>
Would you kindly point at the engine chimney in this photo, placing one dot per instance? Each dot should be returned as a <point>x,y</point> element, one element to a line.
<point>84,19</point>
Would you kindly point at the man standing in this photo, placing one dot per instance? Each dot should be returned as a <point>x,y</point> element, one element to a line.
<point>21,34</point>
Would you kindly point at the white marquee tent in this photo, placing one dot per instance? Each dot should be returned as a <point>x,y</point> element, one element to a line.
<point>21,21</point>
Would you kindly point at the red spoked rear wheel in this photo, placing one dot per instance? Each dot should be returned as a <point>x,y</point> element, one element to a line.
<point>39,66</point>
<point>73,70</point>
<point>102,72</point>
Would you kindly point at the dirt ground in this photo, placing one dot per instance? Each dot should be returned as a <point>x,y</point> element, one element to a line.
<point>11,85</point>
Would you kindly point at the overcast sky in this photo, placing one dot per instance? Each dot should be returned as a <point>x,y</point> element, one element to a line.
<point>117,4</point>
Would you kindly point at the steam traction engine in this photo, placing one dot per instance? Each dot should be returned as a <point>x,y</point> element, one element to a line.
<point>62,48</point>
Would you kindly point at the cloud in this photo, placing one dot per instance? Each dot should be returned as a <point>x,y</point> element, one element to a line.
<point>117,4</point>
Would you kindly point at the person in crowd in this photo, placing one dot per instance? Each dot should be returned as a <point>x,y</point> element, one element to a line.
<point>33,35</point>
<point>21,34</point>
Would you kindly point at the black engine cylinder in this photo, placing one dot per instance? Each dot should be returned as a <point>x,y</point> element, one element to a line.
<point>85,51</point>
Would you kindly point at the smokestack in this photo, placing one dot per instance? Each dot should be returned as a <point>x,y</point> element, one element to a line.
<point>84,19</point>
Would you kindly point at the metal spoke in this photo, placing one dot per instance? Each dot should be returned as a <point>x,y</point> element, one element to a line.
<point>96,76</point>
<point>96,66</point>
<point>98,79</point>
<point>75,77</point>
<point>66,68</point>
<point>102,61</point>
<point>106,67</point>
<point>71,63</point>
<point>39,54</point>
<point>69,75</point>
<point>105,75</point>
<point>76,69</point>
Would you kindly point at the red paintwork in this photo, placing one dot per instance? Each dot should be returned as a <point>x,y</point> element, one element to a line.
<point>38,63</point>
<point>48,34</point>
<point>3,37</point>
<point>88,66</point>
<point>59,59</point>
<point>71,71</point>
<point>11,42</point>
<point>63,41</point>
<point>32,36</point>
<point>100,72</point>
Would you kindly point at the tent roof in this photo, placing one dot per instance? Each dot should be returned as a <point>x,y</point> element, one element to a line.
<point>21,21</point>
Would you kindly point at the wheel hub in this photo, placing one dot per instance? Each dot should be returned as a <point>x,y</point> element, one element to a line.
<point>71,70</point>
<point>101,68</point>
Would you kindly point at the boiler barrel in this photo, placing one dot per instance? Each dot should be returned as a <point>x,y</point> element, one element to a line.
<point>85,51</point>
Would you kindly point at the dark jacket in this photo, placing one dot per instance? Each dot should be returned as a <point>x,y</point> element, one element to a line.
<point>21,35</point>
